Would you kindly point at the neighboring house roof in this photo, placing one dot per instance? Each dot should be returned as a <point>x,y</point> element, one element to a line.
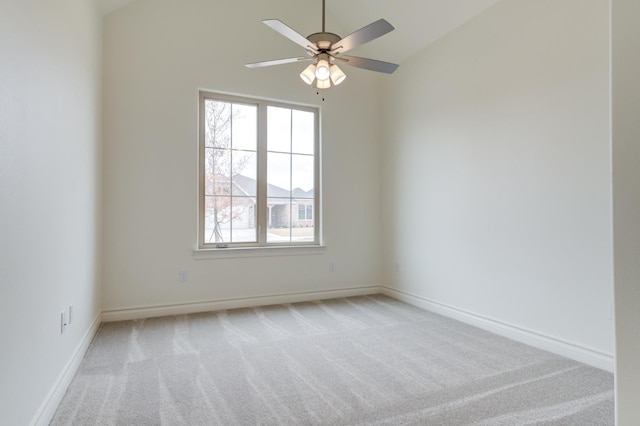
<point>301,193</point>
<point>245,184</point>
<point>276,193</point>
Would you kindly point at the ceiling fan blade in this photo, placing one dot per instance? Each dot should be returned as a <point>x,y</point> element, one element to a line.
<point>278,62</point>
<point>368,64</point>
<point>291,34</point>
<point>362,36</point>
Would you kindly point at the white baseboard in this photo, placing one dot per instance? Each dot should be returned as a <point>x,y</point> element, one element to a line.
<point>45,413</point>
<point>244,302</point>
<point>557,346</point>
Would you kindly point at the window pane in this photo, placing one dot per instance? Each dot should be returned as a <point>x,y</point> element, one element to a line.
<point>217,218</point>
<point>217,168</point>
<point>278,175</point>
<point>278,129</point>
<point>216,185</point>
<point>243,226</point>
<point>303,132</point>
<point>245,127</point>
<point>217,124</point>
<point>221,161</point>
<point>302,176</point>
<point>244,173</point>
<point>278,220</point>
<point>209,178</point>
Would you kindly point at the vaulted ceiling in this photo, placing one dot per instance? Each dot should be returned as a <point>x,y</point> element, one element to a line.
<point>418,23</point>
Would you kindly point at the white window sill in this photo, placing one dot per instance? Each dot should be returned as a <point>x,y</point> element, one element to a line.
<point>235,252</point>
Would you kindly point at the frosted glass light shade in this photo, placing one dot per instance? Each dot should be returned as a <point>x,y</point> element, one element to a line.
<point>309,74</point>
<point>322,70</point>
<point>323,84</point>
<point>337,76</point>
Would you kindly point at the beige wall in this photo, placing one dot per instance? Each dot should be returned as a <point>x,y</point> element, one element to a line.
<point>494,192</point>
<point>157,54</point>
<point>49,197</point>
<point>626,205</point>
<point>498,174</point>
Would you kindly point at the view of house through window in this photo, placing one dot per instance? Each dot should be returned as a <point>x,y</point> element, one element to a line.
<point>258,172</point>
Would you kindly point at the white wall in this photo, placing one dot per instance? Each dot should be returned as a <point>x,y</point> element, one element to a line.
<point>626,198</point>
<point>49,196</point>
<point>157,54</point>
<point>498,172</point>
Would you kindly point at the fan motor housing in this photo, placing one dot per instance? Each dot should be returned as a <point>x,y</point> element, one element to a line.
<point>324,41</point>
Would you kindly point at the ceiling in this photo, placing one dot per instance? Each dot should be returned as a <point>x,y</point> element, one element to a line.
<point>418,23</point>
<point>108,6</point>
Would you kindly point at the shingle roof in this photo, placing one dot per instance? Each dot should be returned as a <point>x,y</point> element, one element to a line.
<point>248,185</point>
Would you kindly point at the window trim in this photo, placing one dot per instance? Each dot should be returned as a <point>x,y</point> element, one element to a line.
<point>261,194</point>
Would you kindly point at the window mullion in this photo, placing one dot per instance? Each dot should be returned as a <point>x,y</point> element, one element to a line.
<point>262,174</point>
<point>231,175</point>
<point>291,175</point>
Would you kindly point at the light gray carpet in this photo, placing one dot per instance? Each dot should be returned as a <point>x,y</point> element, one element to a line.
<point>353,361</point>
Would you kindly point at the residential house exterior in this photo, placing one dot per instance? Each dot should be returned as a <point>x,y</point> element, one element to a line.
<point>285,208</point>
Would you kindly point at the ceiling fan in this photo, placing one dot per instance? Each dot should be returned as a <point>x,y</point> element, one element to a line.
<point>325,49</point>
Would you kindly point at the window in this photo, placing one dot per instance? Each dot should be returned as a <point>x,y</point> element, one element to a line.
<point>305,212</point>
<point>258,173</point>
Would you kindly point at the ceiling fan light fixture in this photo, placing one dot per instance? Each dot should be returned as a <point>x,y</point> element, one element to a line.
<point>322,67</point>
<point>309,74</point>
<point>324,48</point>
<point>323,84</point>
<point>337,76</point>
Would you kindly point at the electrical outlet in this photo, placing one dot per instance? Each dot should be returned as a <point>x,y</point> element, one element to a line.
<point>182,276</point>
<point>332,266</point>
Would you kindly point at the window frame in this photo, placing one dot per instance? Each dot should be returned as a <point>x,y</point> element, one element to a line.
<point>261,173</point>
